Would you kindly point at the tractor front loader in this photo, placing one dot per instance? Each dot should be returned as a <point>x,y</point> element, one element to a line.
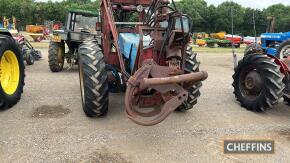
<point>144,50</point>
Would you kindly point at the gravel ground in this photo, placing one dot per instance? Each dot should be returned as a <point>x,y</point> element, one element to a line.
<point>48,124</point>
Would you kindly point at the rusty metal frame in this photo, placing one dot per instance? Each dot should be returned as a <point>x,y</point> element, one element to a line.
<point>151,71</point>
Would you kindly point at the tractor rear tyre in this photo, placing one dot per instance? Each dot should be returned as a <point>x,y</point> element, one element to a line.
<point>191,65</point>
<point>11,72</point>
<point>93,80</point>
<point>56,56</point>
<point>284,50</point>
<point>258,83</point>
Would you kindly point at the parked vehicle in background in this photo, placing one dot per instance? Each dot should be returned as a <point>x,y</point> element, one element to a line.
<point>80,26</point>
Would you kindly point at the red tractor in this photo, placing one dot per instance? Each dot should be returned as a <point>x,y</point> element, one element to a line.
<point>261,79</point>
<point>144,50</point>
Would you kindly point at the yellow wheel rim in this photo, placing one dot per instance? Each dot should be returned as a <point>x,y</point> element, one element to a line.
<point>60,56</point>
<point>9,72</point>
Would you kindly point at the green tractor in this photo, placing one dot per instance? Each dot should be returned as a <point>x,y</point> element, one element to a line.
<point>80,25</point>
<point>11,72</point>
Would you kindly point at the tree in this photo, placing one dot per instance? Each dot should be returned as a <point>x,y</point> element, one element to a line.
<point>205,18</point>
<point>196,9</point>
<point>224,17</point>
<point>211,17</point>
<point>282,15</point>
<point>248,25</point>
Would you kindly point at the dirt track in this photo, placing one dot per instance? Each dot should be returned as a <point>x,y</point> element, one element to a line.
<point>48,125</point>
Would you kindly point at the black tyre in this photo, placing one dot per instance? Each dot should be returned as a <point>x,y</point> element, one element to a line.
<point>11,72</point>
<point>253,48</point>
<point>258,83</point>
<point>93,80</point>
<point>56,56</point>
<point>284,50</point>
<point>30,59</point>
<point>191,65</point>
<point>287,99</point>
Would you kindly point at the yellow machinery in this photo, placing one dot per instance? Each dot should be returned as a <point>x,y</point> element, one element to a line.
<point>219,35</point>
<point>200,42</point>
<point>6,23</point>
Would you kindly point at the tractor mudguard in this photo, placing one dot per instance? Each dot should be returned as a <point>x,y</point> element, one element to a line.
<point>284,63</point>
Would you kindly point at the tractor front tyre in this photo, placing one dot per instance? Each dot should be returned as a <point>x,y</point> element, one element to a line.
<point>11,72</point>
<point>284,50</point>
<point>191,65</point>
<point>93,80</point>
<point>30,59</point>
<point>258,82</point>
<point>56,56</point>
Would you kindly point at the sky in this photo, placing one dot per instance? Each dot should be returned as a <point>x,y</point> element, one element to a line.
<point>260,4</point>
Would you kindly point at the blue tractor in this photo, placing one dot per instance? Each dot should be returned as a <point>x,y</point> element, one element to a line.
<point>276,44</point>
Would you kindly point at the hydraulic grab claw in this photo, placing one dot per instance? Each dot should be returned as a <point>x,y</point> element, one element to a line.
<point>152,93</point>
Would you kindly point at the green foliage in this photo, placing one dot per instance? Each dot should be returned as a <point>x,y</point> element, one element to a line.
<point>30,12</point>
<point>248,25</point>
<point>195,9</point>
<point>282,15</point>
<point>224,16</point>
<point>207,18</point>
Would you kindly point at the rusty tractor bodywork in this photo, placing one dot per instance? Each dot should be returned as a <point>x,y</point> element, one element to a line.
<point>144,49</point>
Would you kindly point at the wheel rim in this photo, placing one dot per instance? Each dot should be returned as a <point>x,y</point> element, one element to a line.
<point>9,72</point>
<point>60,57</point>
<point>285,51</point>
<point>251,83</point>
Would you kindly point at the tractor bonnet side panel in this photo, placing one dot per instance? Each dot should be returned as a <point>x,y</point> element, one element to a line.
<point>129,43</point>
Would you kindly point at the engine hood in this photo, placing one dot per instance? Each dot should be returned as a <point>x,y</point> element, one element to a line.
<point>282,36</point>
